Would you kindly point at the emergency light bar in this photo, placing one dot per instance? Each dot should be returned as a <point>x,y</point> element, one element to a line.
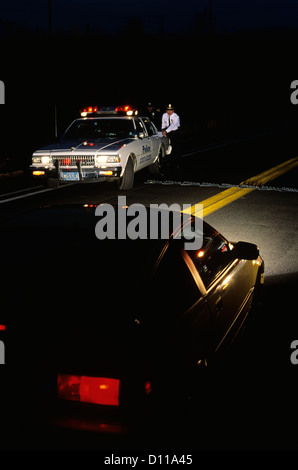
<point>126,110</point>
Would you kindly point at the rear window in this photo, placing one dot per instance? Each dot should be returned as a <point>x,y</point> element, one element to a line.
<point>150,129</point>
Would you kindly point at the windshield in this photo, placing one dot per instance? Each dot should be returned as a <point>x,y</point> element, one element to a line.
<point>100,129</point>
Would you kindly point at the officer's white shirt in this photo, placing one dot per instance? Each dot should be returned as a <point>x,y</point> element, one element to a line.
<point>170,123</point>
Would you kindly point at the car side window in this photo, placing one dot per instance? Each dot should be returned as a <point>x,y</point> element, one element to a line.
<point>139,126</point>
<point>150,129</point>
<point>173,287</point>
<point>212,259</point>
<point>214,255</point>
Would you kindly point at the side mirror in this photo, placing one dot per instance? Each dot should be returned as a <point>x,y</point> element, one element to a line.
<point>141,135</point>
<point>245,250</point>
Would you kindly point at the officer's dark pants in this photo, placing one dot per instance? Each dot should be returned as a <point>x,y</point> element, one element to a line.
<point>175,137</point>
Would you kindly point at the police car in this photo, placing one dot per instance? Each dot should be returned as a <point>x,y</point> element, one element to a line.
<point>106,143</point>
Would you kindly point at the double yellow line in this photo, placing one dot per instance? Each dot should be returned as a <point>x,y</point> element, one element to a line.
<point>220,200</point>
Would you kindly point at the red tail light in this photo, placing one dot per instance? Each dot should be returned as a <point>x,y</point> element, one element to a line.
<point>97,390</point>
<point>148,388</point>
<point>2,327</point>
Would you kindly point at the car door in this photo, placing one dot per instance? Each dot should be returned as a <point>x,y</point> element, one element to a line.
<point>179,305</point>
<point>154,139</point>
<point>143,145</point>
<point>228,285</point>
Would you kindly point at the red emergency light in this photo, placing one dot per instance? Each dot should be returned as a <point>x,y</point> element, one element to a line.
<point>128,110</point>
<point>66,161</point>
<point>89,110</point>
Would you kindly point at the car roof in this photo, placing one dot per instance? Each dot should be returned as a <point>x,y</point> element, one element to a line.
<point>51,229</point>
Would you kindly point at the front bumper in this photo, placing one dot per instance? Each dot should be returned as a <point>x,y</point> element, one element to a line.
<point>66,174</point>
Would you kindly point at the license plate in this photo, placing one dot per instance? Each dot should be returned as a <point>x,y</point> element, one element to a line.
<point>70,176</point>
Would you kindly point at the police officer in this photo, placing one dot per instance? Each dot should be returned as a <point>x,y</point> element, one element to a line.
<point>170,126</point>
<point>154,114</point>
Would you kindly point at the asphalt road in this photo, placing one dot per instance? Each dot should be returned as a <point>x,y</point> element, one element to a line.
<point>252,404</point>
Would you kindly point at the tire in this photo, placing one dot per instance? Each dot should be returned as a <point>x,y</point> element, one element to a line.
<point>155,168</point>
<point>126,181</point>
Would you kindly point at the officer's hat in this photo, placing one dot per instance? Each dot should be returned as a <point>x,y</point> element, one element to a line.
<point>170,107</point>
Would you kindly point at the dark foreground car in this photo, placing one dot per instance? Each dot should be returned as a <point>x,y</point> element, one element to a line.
<point>109,336</point>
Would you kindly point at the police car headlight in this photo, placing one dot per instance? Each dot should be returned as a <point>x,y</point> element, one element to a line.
<point>107,159</point>
<point>45,159</point>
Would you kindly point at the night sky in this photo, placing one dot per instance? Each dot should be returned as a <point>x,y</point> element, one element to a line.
<point>176,15</point>
<point>136,51</point>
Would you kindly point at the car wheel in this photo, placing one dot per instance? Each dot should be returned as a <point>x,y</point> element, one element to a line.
<point>126,181</point>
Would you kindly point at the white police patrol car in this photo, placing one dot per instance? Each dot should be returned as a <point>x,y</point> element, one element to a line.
<point>106,143</point>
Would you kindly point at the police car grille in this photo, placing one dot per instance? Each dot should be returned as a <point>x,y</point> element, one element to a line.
<point>72,160</point>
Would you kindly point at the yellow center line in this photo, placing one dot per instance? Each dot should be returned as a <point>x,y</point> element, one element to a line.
<point>223,198</point>
<point>272,173</point>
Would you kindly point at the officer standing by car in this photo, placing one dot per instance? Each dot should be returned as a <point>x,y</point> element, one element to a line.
<point>170,126</point>
<point>154,114</point>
